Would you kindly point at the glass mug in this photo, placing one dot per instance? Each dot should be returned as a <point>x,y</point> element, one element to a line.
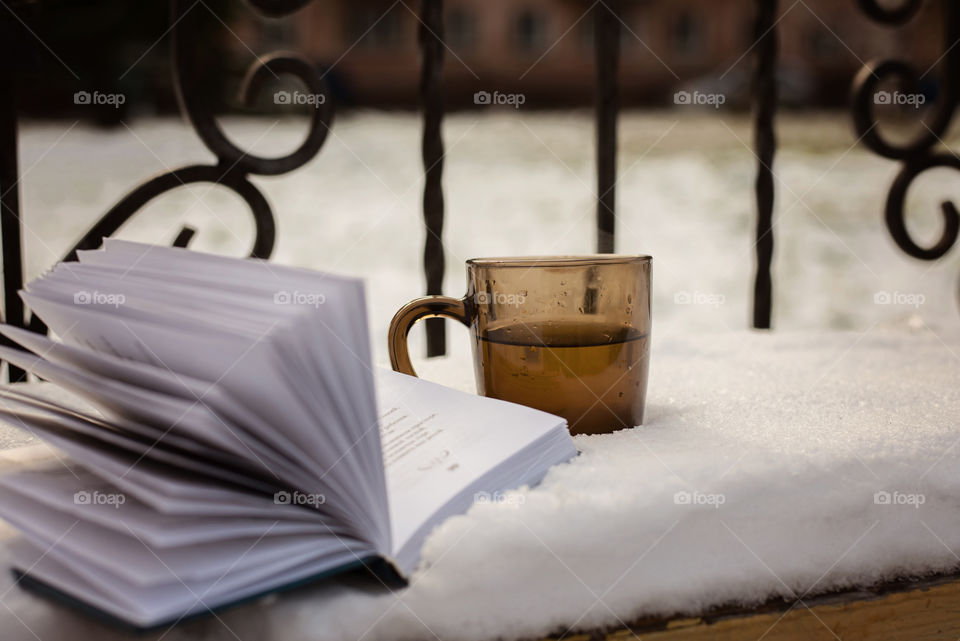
<point>569,335</point>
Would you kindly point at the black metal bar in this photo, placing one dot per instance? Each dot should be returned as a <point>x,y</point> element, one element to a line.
<point>431,98</point>
<point>11,242</point>
<point>765,144</point>
<point>607,19</point>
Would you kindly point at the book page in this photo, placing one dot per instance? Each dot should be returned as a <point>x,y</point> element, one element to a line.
<point>291,381</point>
<point>438,442</point>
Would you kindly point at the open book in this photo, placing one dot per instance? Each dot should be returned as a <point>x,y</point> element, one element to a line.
<point>238,441</point>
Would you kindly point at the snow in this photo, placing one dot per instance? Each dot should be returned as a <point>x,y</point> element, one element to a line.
<point>777,444</point>
<point>523,183</point>
<point>781,442</point>
<point>756,476</point>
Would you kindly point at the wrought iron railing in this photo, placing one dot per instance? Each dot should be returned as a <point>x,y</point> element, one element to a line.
<point>234,165</point>
<point>921,153</point>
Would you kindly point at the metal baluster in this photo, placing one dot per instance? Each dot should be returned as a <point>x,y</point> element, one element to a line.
<point>607,46</point>
<point>431,98</point>
<point>10,236</point>
<point>765,144</point>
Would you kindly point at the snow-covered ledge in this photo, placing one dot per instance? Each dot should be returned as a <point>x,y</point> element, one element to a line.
<point>771,465</point>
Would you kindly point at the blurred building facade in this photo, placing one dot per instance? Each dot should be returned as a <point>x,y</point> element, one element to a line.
<point>544,48</point>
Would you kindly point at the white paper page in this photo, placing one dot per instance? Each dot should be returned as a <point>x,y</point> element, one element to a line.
<point>145,606</point>
<point>259,274</point>
<point>165,413</point>
<point>338,344</point>
<point>277,379</point>
<point>268,278</point>
<point>141,375</point>
<point>17,409</point>
<point>197,420</point>
<point>167,489</point>
<point>128,557</point>
<point>144,377</point>
<point>302,465</point>
<point>193,418</point>
<point>126,372</point>
<point>56,487</point>
<point>438,441</point>
<point>246,311</point>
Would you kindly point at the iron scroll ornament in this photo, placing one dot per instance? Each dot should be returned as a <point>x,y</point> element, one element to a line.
<point>919,154</point>
<point>234,165</point>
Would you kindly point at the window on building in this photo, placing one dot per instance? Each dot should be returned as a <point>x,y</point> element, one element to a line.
<point>461,29</point>
<point>820,43</point>
<point>687,35</point>
<point>586,31</point>
<point>376,27</point>
<point>278,34</point>
<point>530,32</point>
<point>629,31</point>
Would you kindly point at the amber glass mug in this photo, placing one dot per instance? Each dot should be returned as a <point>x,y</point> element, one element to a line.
<point>569,335</point>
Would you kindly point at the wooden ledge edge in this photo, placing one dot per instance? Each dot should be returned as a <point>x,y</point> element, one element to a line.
<point>904,610</point>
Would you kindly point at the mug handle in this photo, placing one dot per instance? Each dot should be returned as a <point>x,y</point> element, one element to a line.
<point>404,319</point>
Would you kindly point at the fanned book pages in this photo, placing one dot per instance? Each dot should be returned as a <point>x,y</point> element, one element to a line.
<point>238,440</point>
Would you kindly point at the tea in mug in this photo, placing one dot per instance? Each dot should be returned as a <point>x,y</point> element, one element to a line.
<point>592,373</point>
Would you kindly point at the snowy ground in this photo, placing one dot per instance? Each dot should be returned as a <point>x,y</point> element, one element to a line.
<point>519,183</point>
<point>771,465</point>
